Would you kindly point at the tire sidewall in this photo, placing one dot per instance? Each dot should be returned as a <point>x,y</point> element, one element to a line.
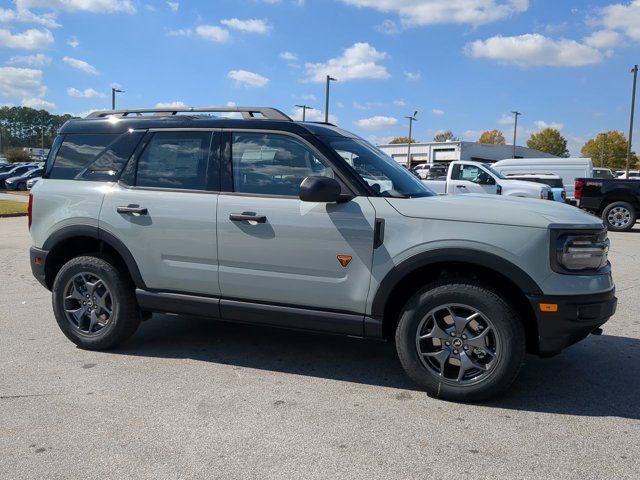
<point>121,292</point>
<point>508,330</point>
<point>613,205</point>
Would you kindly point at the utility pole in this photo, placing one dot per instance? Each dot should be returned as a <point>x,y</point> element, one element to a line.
<point>515,131</point>
<point>304,110</point>
<point>634,70</point>
<point>113,97</point>
<point>326,102</point>
<point>412,118</point>
<point>42,144</point>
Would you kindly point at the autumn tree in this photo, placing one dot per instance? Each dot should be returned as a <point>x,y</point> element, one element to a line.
<point>402,140</point>
<point>607,149</point>
<point>445,136</point>
<point>494,137</point>
<point>550,141</point>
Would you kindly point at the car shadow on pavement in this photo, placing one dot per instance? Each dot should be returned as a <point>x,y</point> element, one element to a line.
<point>597,377</point>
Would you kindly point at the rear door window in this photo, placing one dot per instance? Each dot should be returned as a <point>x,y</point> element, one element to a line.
<point>76,152</point>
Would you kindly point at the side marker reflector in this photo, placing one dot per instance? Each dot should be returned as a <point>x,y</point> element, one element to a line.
<point>548,307</point>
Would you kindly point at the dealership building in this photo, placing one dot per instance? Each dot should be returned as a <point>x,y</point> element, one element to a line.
<point>445,152</point>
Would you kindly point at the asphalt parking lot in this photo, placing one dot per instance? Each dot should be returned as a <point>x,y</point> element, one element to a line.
<point>193,398</point>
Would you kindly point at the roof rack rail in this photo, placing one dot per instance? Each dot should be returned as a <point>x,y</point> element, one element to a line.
<point>246,112</point>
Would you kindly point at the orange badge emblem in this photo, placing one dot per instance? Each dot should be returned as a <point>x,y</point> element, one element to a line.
<point>344,260</point>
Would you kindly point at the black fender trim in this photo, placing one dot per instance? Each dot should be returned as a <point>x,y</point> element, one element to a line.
<point>92,231</point>
<point>448,255</point>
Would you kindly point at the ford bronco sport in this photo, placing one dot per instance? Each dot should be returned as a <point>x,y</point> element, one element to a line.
<point>264,220</point>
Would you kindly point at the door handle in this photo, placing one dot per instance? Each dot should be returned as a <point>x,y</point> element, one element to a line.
<point>461,186</point>
<point>251,217</point>
<point>135,210</point>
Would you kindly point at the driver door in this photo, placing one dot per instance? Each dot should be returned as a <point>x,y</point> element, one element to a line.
<point>469,178</point>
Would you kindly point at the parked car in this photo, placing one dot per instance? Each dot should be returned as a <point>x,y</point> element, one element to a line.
<point>465,176</point>
<point>568,168</point>
<point>428,171</point>
<point>31,182</point>
<point>19,182</point>
<point>633,175</point>
<point>13,172</point>
<point>303,225</point>
<point>616,200</point>
<point>554,182</point>
<point>599,172</point>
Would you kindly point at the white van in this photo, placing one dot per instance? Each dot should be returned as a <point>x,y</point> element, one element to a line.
<point>568,168</point>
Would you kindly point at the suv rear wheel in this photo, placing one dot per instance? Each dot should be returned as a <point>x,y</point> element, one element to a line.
<point>460,341</point>
<point>94,303</point>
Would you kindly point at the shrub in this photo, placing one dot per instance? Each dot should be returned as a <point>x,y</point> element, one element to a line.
<point>16,155</point>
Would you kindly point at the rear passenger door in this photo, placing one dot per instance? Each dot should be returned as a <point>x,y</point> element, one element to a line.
<point>164,211</point>
<point>288,257</point>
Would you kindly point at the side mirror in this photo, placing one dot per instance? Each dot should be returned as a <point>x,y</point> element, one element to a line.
<point>320,189</point>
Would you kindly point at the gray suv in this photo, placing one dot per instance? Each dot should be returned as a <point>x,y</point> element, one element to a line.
<point>263,220</point>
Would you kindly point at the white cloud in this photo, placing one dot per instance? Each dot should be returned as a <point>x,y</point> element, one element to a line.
<point>288,56</point>
<point>36,60</point>
<point>86,93</point>
<point>252,25</point>
<point>379,121</point>
<point>357,61</point>
<point>38,104</point>
<point>541,125</point>
<point>173,6</point>
<point>533,49</point>
<point>213,33</point>
<point>73,42</point>
<point>21,14</point>
<point>400,102</point>
<point>623,17</point>
<point>182,32</point>
<point>21,82</point>
<point>31,39</point>
<point>80,65</point>
<point>175,104</point>
<point>248,79</point>
<point>93,6</point>
<point>388,27</point>
<point>312,115</point>
<point>430,12</point>
<point>437,112</point>
<point>413,76</point>
<point>604,39</point>
<point>471,135</point>
<point>506,120</point>
<point>380,139</point>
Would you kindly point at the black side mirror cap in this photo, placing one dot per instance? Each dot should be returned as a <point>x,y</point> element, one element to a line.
<point>321,189</point>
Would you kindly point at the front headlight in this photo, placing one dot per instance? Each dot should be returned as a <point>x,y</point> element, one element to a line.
<point>581,252</point>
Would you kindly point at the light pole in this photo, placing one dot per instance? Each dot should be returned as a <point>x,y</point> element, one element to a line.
<point>412,118</point>
<point>634,70</point>
<point>113,97</point>
<point>326,100</point>
<point>304,110</point>
<point>515,131</point>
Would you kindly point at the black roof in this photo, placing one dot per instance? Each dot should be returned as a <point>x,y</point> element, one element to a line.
<point>120,124</point>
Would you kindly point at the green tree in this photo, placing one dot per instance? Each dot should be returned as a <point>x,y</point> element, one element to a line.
<point>24,127</point>
<point>445,136</point>
<point>550,141</point>
<point>402,140</point>
<point>607,149</point>
<point>492,136</point>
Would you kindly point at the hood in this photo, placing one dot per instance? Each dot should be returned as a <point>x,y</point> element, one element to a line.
<point>496,209</point>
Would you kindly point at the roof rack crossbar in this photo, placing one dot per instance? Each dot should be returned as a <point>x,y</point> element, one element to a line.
<point>246,112</point>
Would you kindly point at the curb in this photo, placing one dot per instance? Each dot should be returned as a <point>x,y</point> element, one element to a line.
<point>9,215</point>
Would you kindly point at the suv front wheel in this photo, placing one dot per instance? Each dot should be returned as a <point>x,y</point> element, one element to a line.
<point>460,341</point>
<point>94,303</point>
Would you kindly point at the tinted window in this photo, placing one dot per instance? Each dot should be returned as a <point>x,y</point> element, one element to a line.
<point>175,160</point>
<point>272,164</point>
<point>111,161</point>
<point>78,151</point>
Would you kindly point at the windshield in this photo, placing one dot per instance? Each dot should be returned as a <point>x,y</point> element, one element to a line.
<point>382,173</point>
<point>495,172</point>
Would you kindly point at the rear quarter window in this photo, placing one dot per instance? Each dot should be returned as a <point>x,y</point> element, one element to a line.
<point>76,152</point>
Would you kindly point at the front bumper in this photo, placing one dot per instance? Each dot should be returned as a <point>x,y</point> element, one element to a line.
<point>575,318</point>
<point>38,259</point>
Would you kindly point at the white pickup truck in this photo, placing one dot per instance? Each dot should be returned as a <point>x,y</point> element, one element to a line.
<point>475,177</point>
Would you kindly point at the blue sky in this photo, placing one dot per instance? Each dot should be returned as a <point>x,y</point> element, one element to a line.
<point>463,64</point>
